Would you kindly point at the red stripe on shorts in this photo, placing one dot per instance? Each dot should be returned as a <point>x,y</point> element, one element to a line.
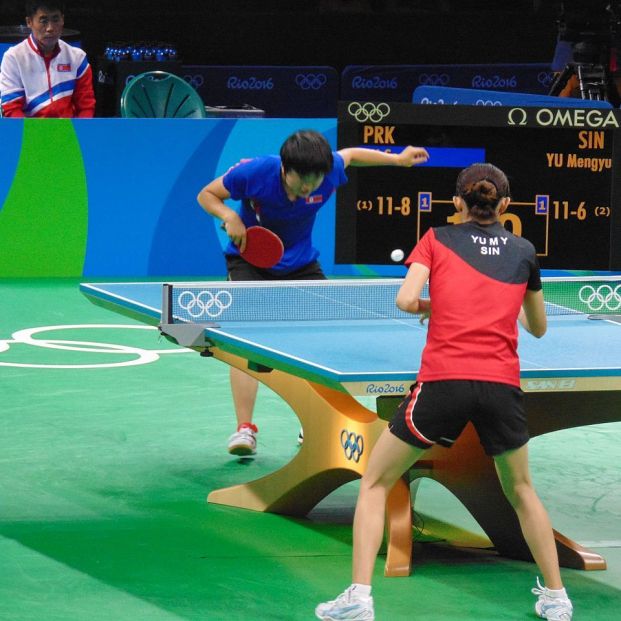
<point>409,412</point>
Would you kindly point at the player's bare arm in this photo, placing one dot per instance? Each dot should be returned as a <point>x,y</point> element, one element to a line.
<point>408,298</point>
<point>533,313</point>
<point>410,156</point>
<point>211,198</point>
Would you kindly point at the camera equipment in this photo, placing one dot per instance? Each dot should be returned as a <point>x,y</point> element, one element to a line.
<point>588,37</point>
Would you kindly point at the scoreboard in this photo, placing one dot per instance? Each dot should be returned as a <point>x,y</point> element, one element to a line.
<point>563,165</point>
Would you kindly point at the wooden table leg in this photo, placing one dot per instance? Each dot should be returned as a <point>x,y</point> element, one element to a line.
<point>339,433</point>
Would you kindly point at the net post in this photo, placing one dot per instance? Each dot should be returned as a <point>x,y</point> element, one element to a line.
<point>167,317</point>
<point>191,335</point>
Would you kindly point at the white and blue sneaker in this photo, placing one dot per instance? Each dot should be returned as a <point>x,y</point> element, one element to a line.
<point>552,606</point>
<point>348,606</point>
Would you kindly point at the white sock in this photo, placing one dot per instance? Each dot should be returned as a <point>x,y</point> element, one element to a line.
<point>361,589</point>
<point>557,593</point>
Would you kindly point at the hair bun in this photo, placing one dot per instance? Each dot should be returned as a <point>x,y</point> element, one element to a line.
<point>486,188</point>
<point>486,179</point>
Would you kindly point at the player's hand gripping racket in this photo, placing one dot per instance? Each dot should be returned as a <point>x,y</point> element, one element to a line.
<point>263,247</point>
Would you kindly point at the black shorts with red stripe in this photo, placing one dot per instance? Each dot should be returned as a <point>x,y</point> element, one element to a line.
<point>437,412</point>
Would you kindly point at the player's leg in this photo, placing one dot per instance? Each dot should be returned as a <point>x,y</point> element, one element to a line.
<point>500,420</point>
<point>514,476</point>
<point>390,458</point>
<point>513,473</point>
<point>243,386</point>
<point>244,389</point>
<point>431,412</point>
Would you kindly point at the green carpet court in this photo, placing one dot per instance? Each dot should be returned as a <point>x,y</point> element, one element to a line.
<point>111,438</point>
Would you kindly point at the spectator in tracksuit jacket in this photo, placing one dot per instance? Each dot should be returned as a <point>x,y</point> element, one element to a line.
<point>43,76</point>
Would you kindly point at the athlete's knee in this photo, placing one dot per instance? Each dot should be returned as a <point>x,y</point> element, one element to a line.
<point>519,493</point>
<point>369,483</point>
<point>382,482</point>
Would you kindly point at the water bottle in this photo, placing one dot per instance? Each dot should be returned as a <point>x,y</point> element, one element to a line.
<point>161,52</point>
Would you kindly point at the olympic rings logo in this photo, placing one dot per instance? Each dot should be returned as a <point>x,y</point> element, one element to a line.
<point>353,445</point>
<point>604,297</point>
<point>434,79</point>
<point>205,303</point>
<point>545,78</point>
<point>368,111</point>
<point>311,81</point>
<point>196,80</point>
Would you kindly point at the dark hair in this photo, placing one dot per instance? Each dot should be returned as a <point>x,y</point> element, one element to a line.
<point>482,186</point>
<point>306,152</point>
<point>32,7</point>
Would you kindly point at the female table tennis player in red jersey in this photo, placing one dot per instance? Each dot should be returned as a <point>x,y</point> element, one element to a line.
<point>482,280</point>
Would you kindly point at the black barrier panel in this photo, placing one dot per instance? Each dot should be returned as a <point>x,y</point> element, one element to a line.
<point>398,82</point>
<point>279,91</point>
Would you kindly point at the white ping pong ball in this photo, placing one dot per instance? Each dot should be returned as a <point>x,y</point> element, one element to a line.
<point>397,255</point>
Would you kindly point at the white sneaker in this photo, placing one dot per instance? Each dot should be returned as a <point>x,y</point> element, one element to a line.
<point>244,441</point>
<point>550,607</point>
<point>301,437</point>
<point>348,606</point>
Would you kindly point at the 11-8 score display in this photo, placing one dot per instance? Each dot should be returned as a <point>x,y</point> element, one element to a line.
<point>560,162</point>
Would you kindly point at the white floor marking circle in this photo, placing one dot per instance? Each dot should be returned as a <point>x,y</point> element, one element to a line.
<point>141,355</point>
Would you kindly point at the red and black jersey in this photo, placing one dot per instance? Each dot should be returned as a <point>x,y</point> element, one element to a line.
<point>478,277</point>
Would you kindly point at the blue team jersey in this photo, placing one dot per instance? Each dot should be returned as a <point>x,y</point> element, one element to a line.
<point>257,184</point>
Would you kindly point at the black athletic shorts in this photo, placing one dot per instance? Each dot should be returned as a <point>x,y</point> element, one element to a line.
<point>437,412</point>
<point>240,269</point>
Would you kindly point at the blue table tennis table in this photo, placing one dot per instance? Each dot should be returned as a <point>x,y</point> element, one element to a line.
<point>320,344</point>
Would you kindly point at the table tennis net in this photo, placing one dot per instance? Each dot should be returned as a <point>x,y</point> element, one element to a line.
<point>351,299</point>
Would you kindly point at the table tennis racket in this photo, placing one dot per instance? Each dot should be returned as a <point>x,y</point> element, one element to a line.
<point>263,247</point>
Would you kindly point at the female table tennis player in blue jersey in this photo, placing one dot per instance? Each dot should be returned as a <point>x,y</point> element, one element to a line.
<point>283,193</point>
<point>482,280</point>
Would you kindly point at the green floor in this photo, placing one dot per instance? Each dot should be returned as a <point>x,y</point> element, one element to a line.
<point>104,473</point>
